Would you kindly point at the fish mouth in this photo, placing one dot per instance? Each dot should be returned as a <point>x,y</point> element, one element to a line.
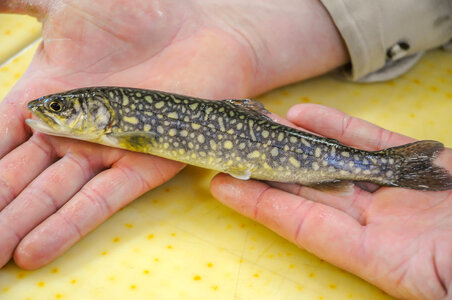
<point>44,127</point>
<point>43,123</point>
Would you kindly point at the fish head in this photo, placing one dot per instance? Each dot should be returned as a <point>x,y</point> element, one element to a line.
<point>80,114</point>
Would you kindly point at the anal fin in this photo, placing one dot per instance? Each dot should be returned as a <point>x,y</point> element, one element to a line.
<point>337,186</point>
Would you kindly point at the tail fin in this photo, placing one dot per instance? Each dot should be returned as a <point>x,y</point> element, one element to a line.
<point>417,170</point>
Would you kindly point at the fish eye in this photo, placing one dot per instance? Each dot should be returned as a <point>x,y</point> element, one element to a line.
<point>56,106</point>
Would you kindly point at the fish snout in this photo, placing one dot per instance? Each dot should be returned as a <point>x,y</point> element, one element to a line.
<point>34,105</point>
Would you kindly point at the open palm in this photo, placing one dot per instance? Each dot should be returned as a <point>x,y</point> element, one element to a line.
<point>398,239</point>
<point>54,190</point>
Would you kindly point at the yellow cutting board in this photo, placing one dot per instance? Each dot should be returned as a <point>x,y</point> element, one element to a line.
<point>177,242</point>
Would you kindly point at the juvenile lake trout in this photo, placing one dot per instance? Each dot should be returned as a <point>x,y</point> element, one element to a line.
<point>231,136</point>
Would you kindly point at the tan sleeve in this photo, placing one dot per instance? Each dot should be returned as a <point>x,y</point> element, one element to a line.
<point>387,37</point>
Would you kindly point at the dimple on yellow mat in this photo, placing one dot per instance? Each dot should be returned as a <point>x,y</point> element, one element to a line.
<point>177,242</point>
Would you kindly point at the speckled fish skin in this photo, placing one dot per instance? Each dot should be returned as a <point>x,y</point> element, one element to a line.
<point>231,136</point>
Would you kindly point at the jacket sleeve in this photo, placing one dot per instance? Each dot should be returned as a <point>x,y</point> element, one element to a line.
<point>385,38</point>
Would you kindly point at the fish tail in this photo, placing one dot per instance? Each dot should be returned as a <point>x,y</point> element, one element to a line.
<point>417,170</point>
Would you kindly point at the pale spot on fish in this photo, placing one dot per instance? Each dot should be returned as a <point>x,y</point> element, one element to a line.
<point>306,143</point>
<point>391,161</point>
<point>265,134</point>
<point>315,166</point>
<point>195,126</point>
<point>343,172</point>
<point>333,151</point>
<point>148,99</point>
<point>280,136</point>
<point>165,146</point>
<point>254,154</point>
<point>274,151</point>
<point>125,100</point>
<point>173,115</point>
<point>366,172</point>
<point>194,106</point>
<point>147,127</point>
<point>159,105</point>
<point>293,140</point>
<point>172,132</point>
<point>345,154</point>
<point>213,145</point>
<point>389,173</point>
<point>242,146</point>
<point>227,145</point>
<point>351,164</point>
<point>160,129</point>
<point>131,120</point>
<point>201,138</point>
<point>317,152</point>
<point>295,162</point>
<point>184,133</point>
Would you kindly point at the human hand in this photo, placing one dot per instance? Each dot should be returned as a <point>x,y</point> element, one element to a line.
<point>55,190</point>
<point>398,239</point>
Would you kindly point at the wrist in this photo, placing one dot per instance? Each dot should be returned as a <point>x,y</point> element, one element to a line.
<point>286,43</point>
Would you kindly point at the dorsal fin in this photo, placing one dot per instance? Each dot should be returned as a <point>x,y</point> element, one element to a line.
<point>250,105</point>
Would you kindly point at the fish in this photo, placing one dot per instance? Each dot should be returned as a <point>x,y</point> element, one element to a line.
<point>234,136</point>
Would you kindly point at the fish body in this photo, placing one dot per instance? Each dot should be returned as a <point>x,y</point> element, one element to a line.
<point>231,136</point>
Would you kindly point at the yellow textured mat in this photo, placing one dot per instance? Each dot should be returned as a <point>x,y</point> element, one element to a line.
<point>177,242</point>
<point>16,32</point>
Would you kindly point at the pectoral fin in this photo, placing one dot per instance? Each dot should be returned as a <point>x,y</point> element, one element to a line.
<point>134,141</point>
<point>240,173</point>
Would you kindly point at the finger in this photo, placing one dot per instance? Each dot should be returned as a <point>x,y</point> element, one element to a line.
<point>95,202</point>
<point>308,224</point>
<point>354,201</point>
<point>349,130</point>
<point>13,131</point>
<point>22,165</point>
<point>43,197</point>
